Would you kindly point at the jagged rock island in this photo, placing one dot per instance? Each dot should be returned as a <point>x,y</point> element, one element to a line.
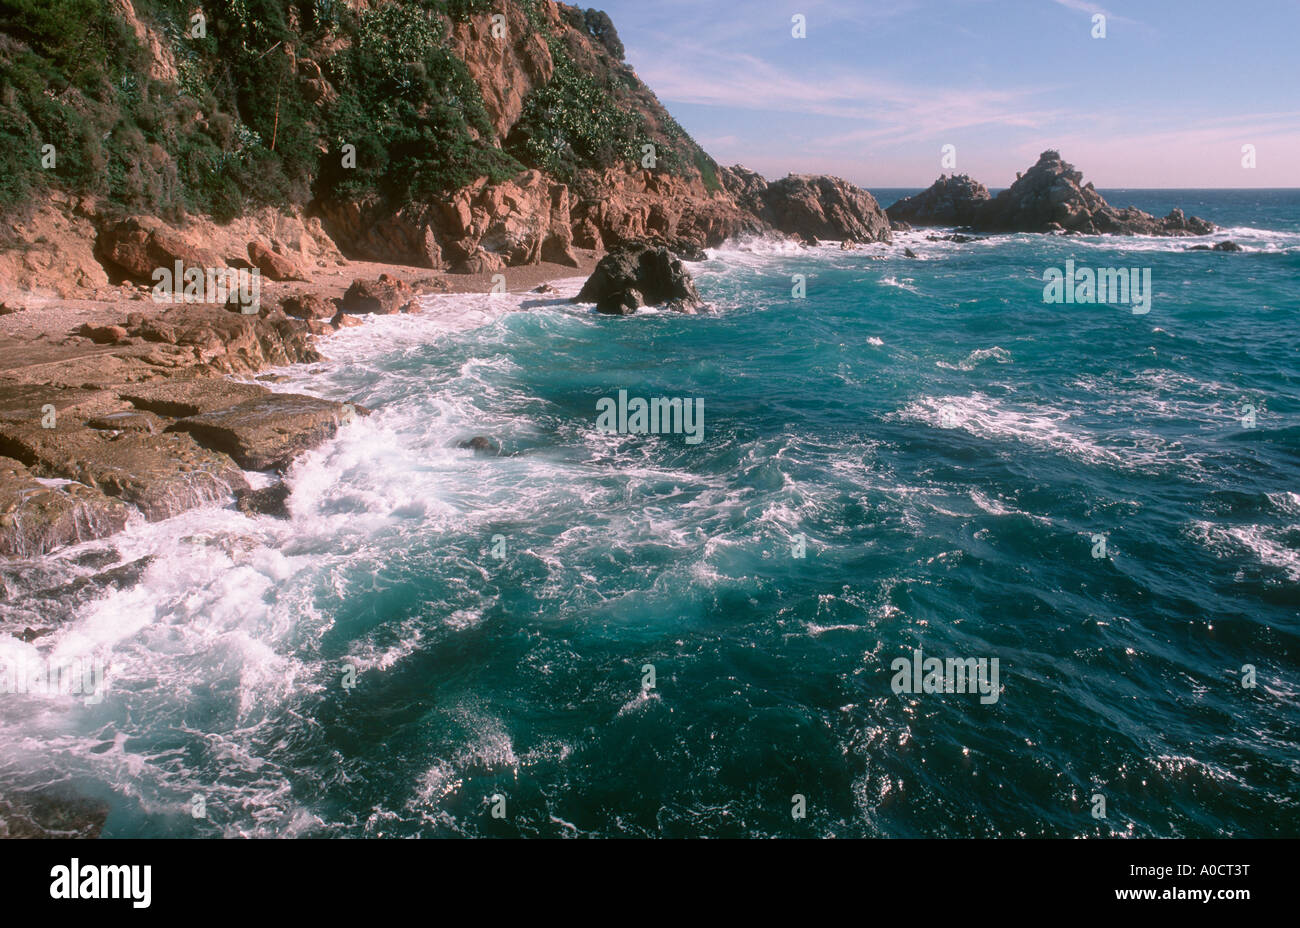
<point>1049,197</point>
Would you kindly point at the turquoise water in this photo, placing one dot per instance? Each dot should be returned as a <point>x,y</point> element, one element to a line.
<point>942,443</point>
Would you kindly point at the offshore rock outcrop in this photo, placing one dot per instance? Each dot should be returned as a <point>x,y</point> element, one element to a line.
<point>950,201</point>
<point>1050,197</point>
<point>637,275</point>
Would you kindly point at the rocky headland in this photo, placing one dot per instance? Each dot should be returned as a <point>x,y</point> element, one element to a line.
<point>124,398</point>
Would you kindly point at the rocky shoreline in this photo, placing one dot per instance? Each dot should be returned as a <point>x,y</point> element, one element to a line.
<point>116,402</point>
<point>111,411</point>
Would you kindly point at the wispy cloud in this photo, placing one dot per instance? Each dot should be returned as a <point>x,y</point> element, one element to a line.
<point>1085,6</point>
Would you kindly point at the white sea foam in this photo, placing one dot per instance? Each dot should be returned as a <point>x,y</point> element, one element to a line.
<point>906,283</point>
<point>1263,542</point>
<point>977,357</point>
<point>1048,428</point>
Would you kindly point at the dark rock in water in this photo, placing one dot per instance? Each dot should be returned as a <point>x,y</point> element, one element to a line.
<point>896,225</point>
<point>45,600</point>
<point>908,253</point>
<point>544,288</point>
<point>635,275</point>
<point>268,501</point>
<point>383,296</point>
<point>956,237</point>
<point>269,431</point>
<point>816,206</point>
<point>481,444</point>
<point>1050,197</point>
<point>949,201</point>
<point>1228,246</point>
<point>689,251</point>
<point>1178,224</point>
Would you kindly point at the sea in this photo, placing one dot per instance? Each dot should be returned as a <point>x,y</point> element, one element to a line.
<point>579,632</point>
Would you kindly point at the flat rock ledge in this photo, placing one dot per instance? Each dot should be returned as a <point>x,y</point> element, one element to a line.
<point>77,464</point>
<point>266,433</point>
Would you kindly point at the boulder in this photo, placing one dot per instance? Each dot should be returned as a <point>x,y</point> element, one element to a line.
<point>383,296</point>
<point>138,246</point>
<point>273,266</point>
<point>308,306</point>
<point>266,433</point>
<point>639,275</point>
<point>103,334</point>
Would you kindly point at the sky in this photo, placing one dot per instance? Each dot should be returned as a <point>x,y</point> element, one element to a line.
<point>877,88</point>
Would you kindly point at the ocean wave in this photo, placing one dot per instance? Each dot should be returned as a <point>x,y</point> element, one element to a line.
<point>977,357</point>
<point>1266,544</point>
<point>1048,428</point>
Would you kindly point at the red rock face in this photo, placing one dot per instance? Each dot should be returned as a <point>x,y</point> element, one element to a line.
<point>505,69</point>
<point>273,266</point>
<point>136,247</point>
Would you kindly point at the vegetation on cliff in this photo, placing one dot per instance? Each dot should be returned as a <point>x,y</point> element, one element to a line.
<point>155,112</point>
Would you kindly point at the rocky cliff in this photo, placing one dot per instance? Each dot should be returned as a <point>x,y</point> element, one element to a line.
<point>457,135</point>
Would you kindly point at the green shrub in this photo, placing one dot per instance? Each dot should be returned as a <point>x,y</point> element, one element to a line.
<point>572,122</point>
